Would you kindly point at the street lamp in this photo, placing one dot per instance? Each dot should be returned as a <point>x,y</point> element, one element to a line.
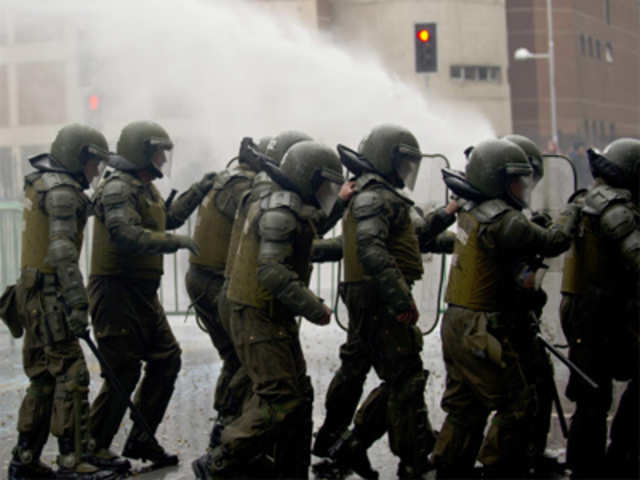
<point>525,54</point>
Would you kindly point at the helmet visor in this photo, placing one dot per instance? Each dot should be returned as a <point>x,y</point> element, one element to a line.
<point>327,195</point>
<point>94,161</point>
<point>161,162</point>
<point>407,169</point>
<point>520,189</point>
<point>406,162</point>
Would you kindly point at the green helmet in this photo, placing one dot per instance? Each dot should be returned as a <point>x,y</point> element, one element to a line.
<point>492,167</point>
<point>619,164</point>
<point>315,172</point>
<point>75,144</point>
<point>138,144</point>
<point>532,151</point>
<point>395,154</point>
<point>278,145</point>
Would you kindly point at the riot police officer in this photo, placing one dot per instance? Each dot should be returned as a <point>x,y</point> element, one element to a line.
<point>482,330</point>
<point>599,313</point>
<point>52,304</point>
<point>382,260</point>
<point>268,288</point>
<point>205,276</point>
<point>129,239</point>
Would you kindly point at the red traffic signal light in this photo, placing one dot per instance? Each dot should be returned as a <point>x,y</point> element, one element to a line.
<point>423,35</point>
<point>94,102</point>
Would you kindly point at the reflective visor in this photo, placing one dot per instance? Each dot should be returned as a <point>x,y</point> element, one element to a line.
<point>327,195</point>
<point>521,188</point>
<point>407,169</point>
<point>161,162</point>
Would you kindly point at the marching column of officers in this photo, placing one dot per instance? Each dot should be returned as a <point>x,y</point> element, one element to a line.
<point>258,230</point>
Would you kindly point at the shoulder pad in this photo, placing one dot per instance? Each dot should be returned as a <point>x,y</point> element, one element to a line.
<point>367,204</point>
<point>601,196</point>
<point>488,211</point>
<point>50,180</point>
<point>367,178</point>
<point>277,225</point>
<point>618,221</point>
<point>62,201</point>
<point>31,178</point>
<point>282,199</point>
<point>115,190</point>
<point>126,177</point>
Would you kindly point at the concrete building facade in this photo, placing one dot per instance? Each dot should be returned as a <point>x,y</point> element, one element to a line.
<point>471,47</point>
<point>597,62</point>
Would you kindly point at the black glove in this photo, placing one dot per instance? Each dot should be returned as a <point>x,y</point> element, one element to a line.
<point>78,321</point>
<point>543,219</point>
<point>184,241</point>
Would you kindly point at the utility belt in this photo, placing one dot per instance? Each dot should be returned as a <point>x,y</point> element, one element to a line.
<point>44,305</point>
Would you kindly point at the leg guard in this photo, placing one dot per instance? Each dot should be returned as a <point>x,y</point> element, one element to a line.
<point>410,433</point>
<point>34,417</point>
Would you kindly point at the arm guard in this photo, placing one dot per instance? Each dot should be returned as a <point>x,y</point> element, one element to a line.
<point>124,223</point>
<point>434,223</point>
<point>277,229</point>
<point>327,250</point>
<point>619,223</point>
<point>372,217</point>
<point>62,205</point>
<point>182,207</point>
<point>514,233</point>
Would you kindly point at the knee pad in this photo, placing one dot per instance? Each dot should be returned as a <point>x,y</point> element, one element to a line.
<point>41,387</point>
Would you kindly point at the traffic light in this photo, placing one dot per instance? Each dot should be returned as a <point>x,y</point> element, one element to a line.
<point>93,109</point>
<point>426,41</point>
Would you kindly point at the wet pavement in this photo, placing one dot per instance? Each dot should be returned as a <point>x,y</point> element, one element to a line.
<point>189,418</point>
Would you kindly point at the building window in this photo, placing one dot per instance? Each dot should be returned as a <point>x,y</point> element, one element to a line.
<point>41,93</point>
<point>612,131</point>
<point>582,44</point>
<point>476,73</point>
<point>590,46</point>
<point>9,185</point>
<point>608,52</point>
<point>4,96</point>
<point>470,73</point>
<point>602,136</point>
<point>607,11</point>
<point>598,48</point>
<point>594,131</point>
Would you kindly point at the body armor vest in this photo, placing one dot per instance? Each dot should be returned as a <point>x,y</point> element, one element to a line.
<point>476,278</point>
<point>213,228</point>
<point>35,229</point>
<point>243,286</point>
<point>107,259</point>
<point>402,244</point>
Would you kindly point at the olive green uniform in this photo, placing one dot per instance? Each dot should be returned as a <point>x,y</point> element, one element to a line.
<point>599,283</point>
<point>205,276</point>
<point>346,387</point>
<point>382,260</point>
<point>126,267</point>
<point>484,335</point>
<point>267,288</point>
<point>50,286</point>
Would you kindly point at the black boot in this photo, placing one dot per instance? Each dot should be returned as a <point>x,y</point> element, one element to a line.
<point>216,433</point>
<point>215,464</point>
<point>351,452</point>
<point>107,460</point>
<point>140,446</point>
<point>71,467</point>
<point>25,464</point>
<point>323,442</point>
